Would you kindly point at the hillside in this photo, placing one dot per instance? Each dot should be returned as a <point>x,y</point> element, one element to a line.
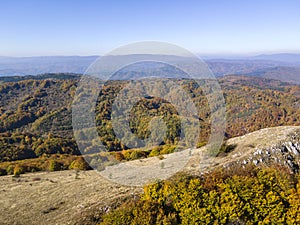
<point>283,73</point>
<point>65,197</point>
<point>36,114</point>
<point>268,146</point>
<point>36,135</point>
<point>58,197</point>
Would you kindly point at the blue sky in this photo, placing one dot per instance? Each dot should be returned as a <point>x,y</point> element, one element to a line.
<point>87,27</point>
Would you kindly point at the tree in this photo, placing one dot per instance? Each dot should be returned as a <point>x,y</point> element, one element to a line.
<point>18,170</point>
<point>79,164</point>
<point>54,166</point>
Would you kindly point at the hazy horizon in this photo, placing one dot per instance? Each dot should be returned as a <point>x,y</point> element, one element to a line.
<point>211,55</point>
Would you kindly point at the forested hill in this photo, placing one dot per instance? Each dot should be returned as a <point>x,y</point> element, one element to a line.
<point>57,76</point>
<point>36,113</point>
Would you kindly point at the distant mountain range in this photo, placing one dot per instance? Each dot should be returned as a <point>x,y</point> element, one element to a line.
<point>282,57</point>
<point>19,66</point>
<point>284,67</point>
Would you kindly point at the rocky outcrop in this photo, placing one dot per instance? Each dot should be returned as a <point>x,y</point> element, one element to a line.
<point>286,153</point>
<point>268,146</point>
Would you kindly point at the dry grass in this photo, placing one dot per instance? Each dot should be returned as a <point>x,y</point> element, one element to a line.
<point>56,197</point>
<point>66,197</point>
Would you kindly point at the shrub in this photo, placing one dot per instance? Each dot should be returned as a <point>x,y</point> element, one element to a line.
<point>79,164</point>
<point>267,196</point>
<point>167,149</point>
<point>10,170</point>
<point>136,154</point>
<point>141,212</point>
<point>127,154</point>
<point>119,156</point>
<point>201,144</point>
<point>18,170</point>
<point>54,165</point>
<point>225,149</point>
<point>155,152</point>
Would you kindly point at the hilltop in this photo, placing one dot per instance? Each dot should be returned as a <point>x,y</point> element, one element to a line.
<point>67,197</point>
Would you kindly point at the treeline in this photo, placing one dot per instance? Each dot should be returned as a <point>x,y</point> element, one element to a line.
<point>54,162</point>
<point>18,146</point>
<point>232,196</point>
<point>59,76</point>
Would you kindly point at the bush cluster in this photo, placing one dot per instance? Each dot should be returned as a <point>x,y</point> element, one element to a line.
<point>251,196</point>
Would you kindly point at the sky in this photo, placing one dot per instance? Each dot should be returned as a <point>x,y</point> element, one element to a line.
<point>94,27</point>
